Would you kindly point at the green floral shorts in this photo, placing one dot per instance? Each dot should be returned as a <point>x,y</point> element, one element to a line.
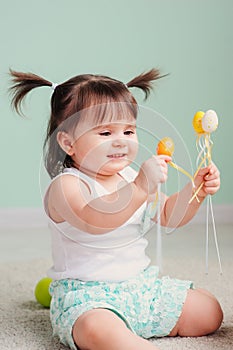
<point>150,306</point>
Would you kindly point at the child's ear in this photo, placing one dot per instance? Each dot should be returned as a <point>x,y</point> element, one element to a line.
<point>66,142</point>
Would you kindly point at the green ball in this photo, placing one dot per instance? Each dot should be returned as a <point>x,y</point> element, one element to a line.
<point>42,292</point>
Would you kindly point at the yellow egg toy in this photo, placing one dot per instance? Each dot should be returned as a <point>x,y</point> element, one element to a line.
<point>197,122</point>
<point>166,146</point>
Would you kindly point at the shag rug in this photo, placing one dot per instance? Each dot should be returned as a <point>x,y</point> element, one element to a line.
<point>25,325</point>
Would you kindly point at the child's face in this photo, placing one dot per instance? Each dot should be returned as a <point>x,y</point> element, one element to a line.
<point>106,149</point>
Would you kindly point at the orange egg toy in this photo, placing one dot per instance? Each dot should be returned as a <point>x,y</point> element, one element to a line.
<point>166,146</point>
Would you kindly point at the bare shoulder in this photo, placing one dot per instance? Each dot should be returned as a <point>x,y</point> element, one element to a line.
<point>67,193</point>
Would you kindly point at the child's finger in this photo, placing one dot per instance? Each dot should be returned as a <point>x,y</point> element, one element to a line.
<point>211,171</point>
<point>211,190</point>
<point>212,183</point>
<point>163,157</point>
<point>203,172</point>
<point>213,174</point>
<point>212,168</point>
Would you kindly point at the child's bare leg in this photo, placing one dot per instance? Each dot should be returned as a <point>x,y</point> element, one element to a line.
<point>201,315</point>
<point>101,329</point>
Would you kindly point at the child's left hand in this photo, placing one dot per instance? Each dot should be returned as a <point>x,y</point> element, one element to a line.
<point>211,177</point>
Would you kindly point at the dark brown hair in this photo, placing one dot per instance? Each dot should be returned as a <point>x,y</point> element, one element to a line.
<point>76,95</point>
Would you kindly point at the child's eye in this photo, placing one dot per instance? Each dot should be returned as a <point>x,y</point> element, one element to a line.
<point>105,133</point>
<point>128,132</point>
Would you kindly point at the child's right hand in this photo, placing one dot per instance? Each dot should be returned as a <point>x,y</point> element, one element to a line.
<point>152,172</point>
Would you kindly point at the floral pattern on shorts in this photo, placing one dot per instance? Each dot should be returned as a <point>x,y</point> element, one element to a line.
<point>150,306</point>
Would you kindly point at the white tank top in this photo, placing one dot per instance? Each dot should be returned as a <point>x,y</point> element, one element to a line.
<point>114,256</point>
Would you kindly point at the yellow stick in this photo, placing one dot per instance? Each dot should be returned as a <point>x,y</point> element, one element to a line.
<point>177,167</point>
<point>200,165</point>
<point>196,193</point>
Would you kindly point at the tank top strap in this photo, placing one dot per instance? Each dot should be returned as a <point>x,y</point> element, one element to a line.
<point>95,187</point>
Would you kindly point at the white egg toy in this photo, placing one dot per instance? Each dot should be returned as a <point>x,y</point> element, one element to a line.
<point>209,121</point>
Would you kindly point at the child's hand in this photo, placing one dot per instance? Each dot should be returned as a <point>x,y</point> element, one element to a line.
<point>152,172</point>
<point>210,177</point>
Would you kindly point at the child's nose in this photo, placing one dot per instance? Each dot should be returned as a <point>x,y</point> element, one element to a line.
<point>119,142</point>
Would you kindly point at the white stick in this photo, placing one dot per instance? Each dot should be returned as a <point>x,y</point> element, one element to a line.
<point>215,236</point>
<point>207,238</point>
<point>159,235</point>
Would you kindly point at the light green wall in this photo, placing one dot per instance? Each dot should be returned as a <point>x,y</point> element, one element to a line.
<point>190,39</point>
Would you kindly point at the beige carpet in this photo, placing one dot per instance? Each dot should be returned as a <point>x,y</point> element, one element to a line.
<point>25,325</point>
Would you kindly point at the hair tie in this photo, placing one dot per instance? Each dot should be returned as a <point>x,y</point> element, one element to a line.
<point>53,86</point>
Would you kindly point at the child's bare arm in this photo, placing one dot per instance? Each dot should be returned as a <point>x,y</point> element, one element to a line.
<point>70,200</point>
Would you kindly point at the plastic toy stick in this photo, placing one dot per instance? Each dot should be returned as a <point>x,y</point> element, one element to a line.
<point>159,233</point>
<point>196,193</point>
<point>177,167</point>
<point>204,124</point>
<point>215,235</point>
<point>207,239</point>
<point>165,147</point>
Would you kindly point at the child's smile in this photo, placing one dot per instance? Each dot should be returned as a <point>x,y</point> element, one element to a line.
<point>117,156</point>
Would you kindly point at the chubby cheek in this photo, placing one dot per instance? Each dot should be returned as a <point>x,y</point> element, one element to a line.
<point>92,155</point>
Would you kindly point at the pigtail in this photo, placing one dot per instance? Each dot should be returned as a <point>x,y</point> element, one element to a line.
<point>24,83</point>
<point>144,81</point>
